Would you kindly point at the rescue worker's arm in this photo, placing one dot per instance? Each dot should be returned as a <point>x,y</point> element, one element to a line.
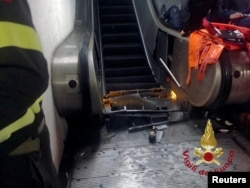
<point>23,74</point>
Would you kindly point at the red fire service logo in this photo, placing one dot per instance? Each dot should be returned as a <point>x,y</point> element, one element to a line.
<point>208,153</point>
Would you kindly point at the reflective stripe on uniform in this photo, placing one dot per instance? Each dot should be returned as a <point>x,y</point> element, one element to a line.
<point>18,35</point>
<point>30,145</point>
<point>23,121</point>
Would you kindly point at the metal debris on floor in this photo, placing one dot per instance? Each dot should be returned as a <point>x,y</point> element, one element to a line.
<point>128,160</point>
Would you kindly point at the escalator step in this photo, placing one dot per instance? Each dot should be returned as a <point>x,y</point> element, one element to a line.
<point>107,10</point>
<point>130,71</point>
<point>120,37</point>
<point>123,49</point>
<point>131,79</point>
<point>121,18</point>
<point>130,86</point>
<point>115,2</point>
<point>124,61</point>
<point>119,28</point>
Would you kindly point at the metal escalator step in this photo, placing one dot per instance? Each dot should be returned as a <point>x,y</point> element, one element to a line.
<point>119,18</point>
<point>115,2</point>
<point>122,49</point>
<point>130,71</point>
<point>130,79</point>
<point>124,60</point>
<point>119,27</point>
<point>130,86</point>
<point>120,38</point>
<point>114,9</point>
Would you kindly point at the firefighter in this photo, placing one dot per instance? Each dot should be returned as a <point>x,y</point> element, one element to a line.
<point>25,155</point>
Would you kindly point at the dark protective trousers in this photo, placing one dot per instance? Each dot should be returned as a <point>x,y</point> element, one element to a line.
<point>243,22</point>
<point>33,170</point>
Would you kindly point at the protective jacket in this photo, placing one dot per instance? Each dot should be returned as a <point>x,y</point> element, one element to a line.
<point>23,76</point>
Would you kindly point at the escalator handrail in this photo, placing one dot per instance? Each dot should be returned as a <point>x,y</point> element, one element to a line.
<point>160,25</point>
<point>96,24</point>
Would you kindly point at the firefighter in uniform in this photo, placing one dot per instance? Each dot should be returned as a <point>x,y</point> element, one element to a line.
<point>25,155</point>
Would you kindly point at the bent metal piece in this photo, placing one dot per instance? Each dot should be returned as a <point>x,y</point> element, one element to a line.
<point>173,77</point>
<point>141,127</point>
<point>170,73</point>
<point>146,100</point>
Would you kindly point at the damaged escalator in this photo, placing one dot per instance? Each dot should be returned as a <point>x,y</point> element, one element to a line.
<point>130,87</point>
<point>124,59</point>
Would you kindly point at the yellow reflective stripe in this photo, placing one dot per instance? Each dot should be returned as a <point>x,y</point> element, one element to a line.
<point>25,120</point>
<point>36,106</point>
<point>22,36</point>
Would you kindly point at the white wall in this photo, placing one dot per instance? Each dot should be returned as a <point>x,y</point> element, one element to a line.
<point>54,21</point>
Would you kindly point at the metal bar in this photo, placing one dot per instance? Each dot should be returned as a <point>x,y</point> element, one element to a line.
<point>170,73</point>
<point>124,110</point>
<point>141,127</point>
<point>173,77</point>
